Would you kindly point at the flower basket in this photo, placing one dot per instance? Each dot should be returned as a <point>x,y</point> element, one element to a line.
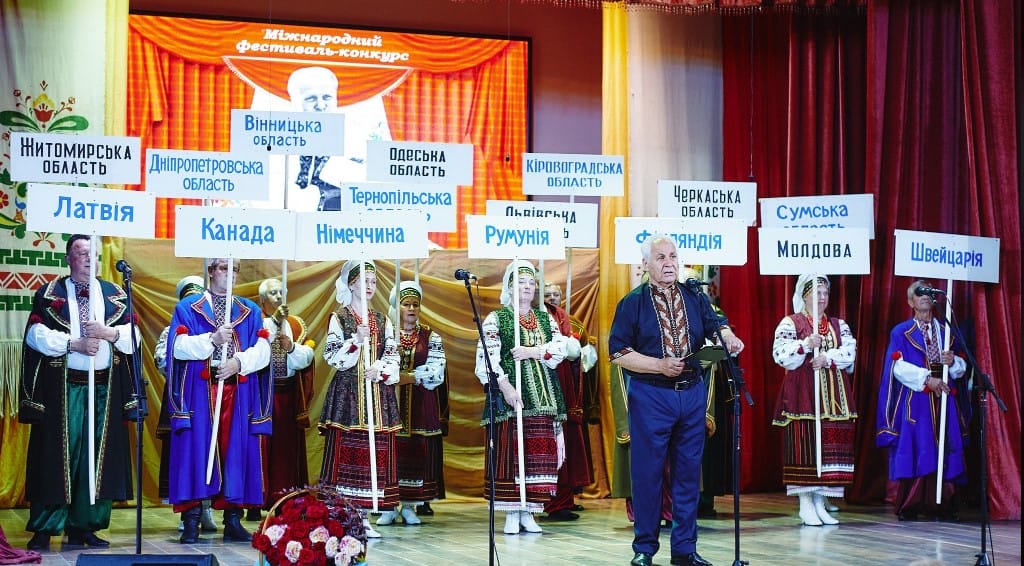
<point>311,527</point>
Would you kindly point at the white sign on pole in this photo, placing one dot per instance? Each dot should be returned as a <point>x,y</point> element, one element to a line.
<point>437,202</point>
<point>708,200</point>
<point>573,174</point>
<point>699,242</point>
<point>791,251</point>
<point>387,234</point>
<point>823,211</point>
<point>946,256</point>
<point>88,210</point>
<point>253,233</point>
<point>178,173</point>
<point>500,237</point>
<point>288,133</point>
<point>419,162</point>
<point>579,220</point>
<point>66,158</point>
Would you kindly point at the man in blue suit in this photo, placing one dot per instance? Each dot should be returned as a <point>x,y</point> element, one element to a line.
<point>656,326</point>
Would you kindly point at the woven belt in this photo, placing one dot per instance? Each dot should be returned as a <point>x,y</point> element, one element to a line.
<point>686,380</point>
<point>81,377</point>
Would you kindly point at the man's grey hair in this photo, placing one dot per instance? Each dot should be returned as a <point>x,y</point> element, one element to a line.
<point>265,287</point>
<point>306,76</point>
<point>645,248</point>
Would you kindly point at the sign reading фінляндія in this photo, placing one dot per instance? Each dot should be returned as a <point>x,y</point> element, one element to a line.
<point>698,242</point>
<point>419,162</point>
<point>579,175</point>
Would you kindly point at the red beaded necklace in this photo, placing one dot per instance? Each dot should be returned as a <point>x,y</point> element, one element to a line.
<point>528,321</point>
<point>409,338</point>
<point>822,324</point>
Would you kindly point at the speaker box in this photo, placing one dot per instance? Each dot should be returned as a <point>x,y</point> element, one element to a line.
<point>147,559</point>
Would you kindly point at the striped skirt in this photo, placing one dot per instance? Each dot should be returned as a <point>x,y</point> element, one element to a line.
<point>346,467</point>
<point>420,467</point>
<point>541,465</point>
<point>799,468</point>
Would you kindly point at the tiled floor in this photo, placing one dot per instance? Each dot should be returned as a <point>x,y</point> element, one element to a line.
<point>457,534</point>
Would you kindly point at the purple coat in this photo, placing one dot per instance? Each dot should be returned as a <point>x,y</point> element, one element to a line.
<point>907,424</point>
<point>191,411</point>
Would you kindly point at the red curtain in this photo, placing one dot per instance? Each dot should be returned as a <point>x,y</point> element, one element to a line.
<point>931,130</point>
<point>793,86</point>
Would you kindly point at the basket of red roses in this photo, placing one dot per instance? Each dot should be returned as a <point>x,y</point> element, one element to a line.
<point>311,527</point>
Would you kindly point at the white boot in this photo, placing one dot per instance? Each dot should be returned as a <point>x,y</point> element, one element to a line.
<point>529,525</point>
<point>511,522</point>
<point>370,533</point>
<point>387,518</point>
<point>409,514</point>
<point>819,509</point>
<point>807,513</point>
<point>830,507</point>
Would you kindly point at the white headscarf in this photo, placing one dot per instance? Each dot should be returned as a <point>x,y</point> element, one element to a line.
<point>510,281</point>
<point>397,292</point>
<point>798,292</point>
<point>342,293</point>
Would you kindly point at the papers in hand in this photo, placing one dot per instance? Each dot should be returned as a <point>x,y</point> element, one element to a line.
<point>707,354</point>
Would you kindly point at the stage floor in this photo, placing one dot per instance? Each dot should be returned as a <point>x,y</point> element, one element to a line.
<point>457,534</point>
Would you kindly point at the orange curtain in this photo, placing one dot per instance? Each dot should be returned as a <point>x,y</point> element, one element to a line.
<point>185,76</point>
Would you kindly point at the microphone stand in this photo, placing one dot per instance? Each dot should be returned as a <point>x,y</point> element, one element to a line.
<point>141,408</point>
<point>493,397</point>
<point>984,386</point>
<point>738,386</point>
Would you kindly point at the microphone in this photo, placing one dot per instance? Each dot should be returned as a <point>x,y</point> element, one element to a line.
<point>123,267</point>
<point>463,275</point>
<point>930,291</point>
<point>691,282</point>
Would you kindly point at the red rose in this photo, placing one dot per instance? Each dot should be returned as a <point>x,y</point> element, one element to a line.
<point>316,511</point>
<point>320,559</point>
<point>273,555</point>
<point>306,556</point>
<point>291,514</point>
<point>181,329</point>
<point>261,543</point>
<point>336,529</point>
<point>264,334</point>
<point>896,355</point>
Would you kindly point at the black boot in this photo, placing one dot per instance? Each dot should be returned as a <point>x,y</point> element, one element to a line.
<point>233,529</point>
<point>190,532</point>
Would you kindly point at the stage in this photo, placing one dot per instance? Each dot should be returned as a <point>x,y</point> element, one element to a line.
<point>457,534</point>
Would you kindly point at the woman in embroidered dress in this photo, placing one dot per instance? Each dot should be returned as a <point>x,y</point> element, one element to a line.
<point>803,345</point>
<point>541,347</point>
<point>423,404</point>
<point>343,420</point>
